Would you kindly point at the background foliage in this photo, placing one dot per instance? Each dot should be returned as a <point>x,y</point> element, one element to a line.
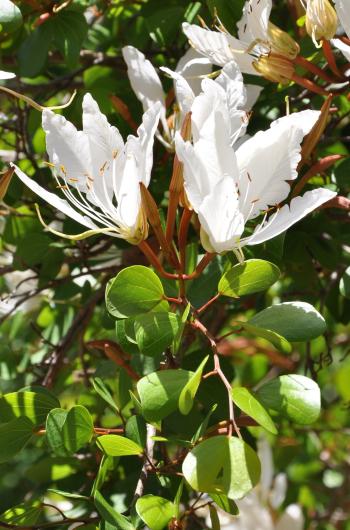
<point>56,331</point>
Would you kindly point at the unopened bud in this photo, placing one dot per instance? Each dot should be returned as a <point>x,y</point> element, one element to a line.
<point>282,43</point>
<point>312,139</point>
<point>275,68</point>
<point>5,180</point>
<point>321,20</point>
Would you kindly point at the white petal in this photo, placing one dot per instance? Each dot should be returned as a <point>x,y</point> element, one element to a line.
<point>184,93</point>
<point>290,214</point>
<point>196,179</point>
<point>6,75</point>
<point>55,201</point>
<point>343,12</point>
<point>266,161</point>
<point>304,120</point>
<point>129,198</point>
<point>253,93</point>
<point>68,149</point>
<point>220,217</point>
<point>279,490</point>
<point>254,22</point>
<point>344,48</point>
<point>145,139</point>
<point>292,519</point>
<point>267,471</point>
<point>144,80</point>
<point>193,66</point>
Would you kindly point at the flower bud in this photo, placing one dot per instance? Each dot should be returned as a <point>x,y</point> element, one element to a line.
<point>5,180</point>
<point>274,67</point>
<point>321,20</point>
<point>282,43</point>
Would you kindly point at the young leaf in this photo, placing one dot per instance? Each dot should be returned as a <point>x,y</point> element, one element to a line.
<point>33,405</point>
<point>190,389</point>
<point>104,393</point>
<point>154,511</point>
<point>226,504</point>
<point>160,391</point>
<point>177,339</point>
<point>77,429</point>
<point>222,465</point>
<point>214,518</point>
<point>133,291</point>
<point>252,276</point>
<point>110,515</point>
<point>296,321</point>
<point>14,435</point>
<point>277,340</point>
<point>204,425</point>
<point>54,431</point>
<point>251,406</point>
<point>136,430</point>
<point>114,445</point>
<point>156,331</point>
<point>294,396</point>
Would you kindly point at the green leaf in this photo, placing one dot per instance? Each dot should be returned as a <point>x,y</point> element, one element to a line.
<point>133,291</point>
<point>24,514</point>
<point>177,339</point>
<point>344,285</point>
<point>226,504</point>
<point>14,435</point>
<point>250,277</point>
<point>34,51</point>
<point>156,331</point>
<point>214,518</point>
<point>33,405</point>
<point>277,340</point>
<point>160,391</point>
<point>10,16</point>
<point>189,391</point>
<point>54,431</point>
<point>104,393</point>
<point>293,396</point>
<point>296,321</point>
<point>69,29</point>
<point>204,425</point>
<point>110,515</point>
<point>222,465</point>
<point>154,511</point>
<point>114,445</point>
<point>251,406</point>
<point>136,430</point>
<point>69,495</point>
<point>78,428</point>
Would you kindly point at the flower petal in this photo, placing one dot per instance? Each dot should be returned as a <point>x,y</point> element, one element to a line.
<point>254,22</point>
<point>184,93</point>
<point>52,199</point>
<point>344,48</point>
<point>266,161</point>
<point>220,217</point>
<point>304,120</point>
<point>193,67</point>
<point>343,12</point>
<point>290,214</point>
<point>6,75</point>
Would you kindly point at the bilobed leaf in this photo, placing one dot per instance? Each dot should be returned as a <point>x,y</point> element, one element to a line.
<point>104,393</point>
<point>160,391</point>
<point>251,406</point>
<point>33,405</point>
<point>110,515</point>
<point>344,285</point>
<point>250,277</point>
<point>115,445</point>
<point>135,290</point>
<point>156,331</point>
<point>294,396</point>
<point>78,428</point>
<point>277,340</point>
<point>10,16</point>
<point>295,321</point>
<point>189,391</point>
<point>155,511</point>
<point>226,504</point>
<point>222,465</point>
<point>54,431</point>
<point>14,435</point>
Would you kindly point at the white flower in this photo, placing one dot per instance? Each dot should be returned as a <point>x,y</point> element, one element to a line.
<point>257,36</point>
<point>98,173</point>
<point>17,283</point>
<point>228,188</point>
<point>343,12</point>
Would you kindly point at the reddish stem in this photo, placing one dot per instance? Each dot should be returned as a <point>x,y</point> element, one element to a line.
<point>309,85</point>
<point>328,53</point>
<point>309,66</point>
